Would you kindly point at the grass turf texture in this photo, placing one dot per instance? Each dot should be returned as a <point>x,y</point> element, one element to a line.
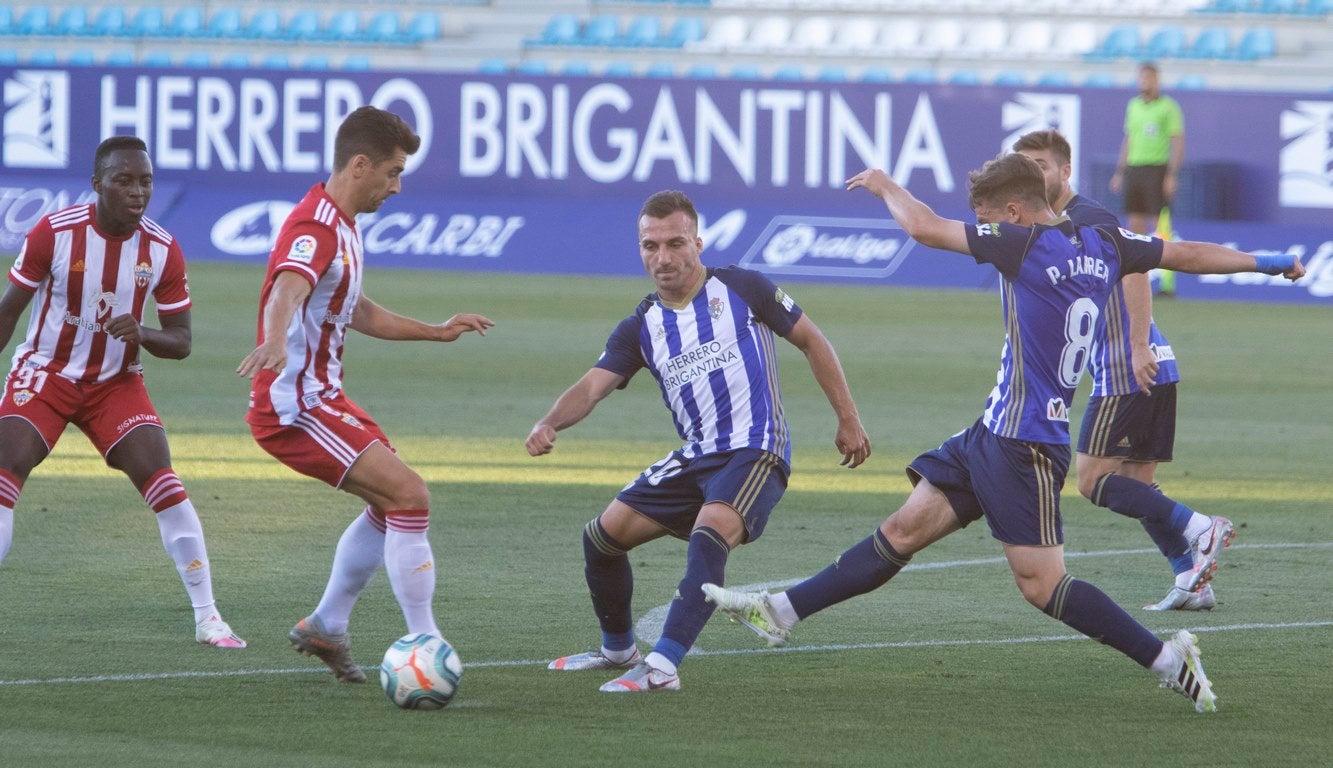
<point>959,670</point>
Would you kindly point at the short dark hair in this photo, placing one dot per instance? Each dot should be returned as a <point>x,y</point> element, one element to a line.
<point>662,204</point>
<point>1050,139</point>
<point>102,158</point>
<point>375,133</point>
<point>1008,178</point>
<point>1151,66</point>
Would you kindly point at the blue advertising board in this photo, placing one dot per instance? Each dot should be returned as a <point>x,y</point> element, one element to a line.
<point>546,174</point>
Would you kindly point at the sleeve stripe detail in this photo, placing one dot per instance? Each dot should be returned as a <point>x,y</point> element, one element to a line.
<point>15,277</point>
<point>174,307</point>
<point>292,265</point>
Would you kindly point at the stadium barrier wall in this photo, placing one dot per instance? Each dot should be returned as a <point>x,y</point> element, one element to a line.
<point>546,174</point>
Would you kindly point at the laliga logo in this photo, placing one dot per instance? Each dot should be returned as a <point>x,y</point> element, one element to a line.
<point>251,229</point>
<point>788,246</point>
<point>829,246</point>
<point>1305,165</point>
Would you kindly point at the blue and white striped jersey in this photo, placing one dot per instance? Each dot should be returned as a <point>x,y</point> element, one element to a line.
<point>1111,367</point>
<point>1056,280</point>
<point>715,361</point>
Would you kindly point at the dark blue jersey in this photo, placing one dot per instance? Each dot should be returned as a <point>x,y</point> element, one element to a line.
<point>1056,279</point>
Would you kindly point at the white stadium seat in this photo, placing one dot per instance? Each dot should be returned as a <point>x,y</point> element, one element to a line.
<point>770,33</point>
<point>813,34</point>
<point>900,35</point>
<point>1032,38</point>
<point>726,33</point>
<point>857,36</point>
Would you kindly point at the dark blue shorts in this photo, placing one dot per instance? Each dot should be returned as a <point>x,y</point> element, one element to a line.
<point>1014,484</point>
<point>1135,427</point>
<point>672,491</point>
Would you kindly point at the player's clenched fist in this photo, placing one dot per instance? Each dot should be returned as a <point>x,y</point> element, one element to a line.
<point>541,440</point>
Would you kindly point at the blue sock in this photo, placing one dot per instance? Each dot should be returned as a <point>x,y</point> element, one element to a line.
<point>1087,609</point>
<point>1171,543</point>
<point>611,583</point>
<point>705,563</point>
<point>1141,501</point>
<point>863,568</point>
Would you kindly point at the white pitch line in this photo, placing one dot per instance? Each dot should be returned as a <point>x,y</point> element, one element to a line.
<point>659,613</point>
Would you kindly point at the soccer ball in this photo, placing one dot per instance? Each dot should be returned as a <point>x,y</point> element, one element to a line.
<point>420,672</point>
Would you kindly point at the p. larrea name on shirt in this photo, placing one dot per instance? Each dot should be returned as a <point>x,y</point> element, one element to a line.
<point>1079,265</point>
<point>689,365</point>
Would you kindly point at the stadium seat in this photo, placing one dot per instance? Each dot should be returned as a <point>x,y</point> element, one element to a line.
<point>36,20</point>
<point>1166,43</point>
<point>942,37</point>
<point>618,69</point>
<point>744,72</point>
<point>701,72</point>
<point>1256,43</point>
<point>1033,37</point>
<point>356,63</point>
<point>832,75</point>
<point>316,62</point>
<point>188,22</point>
<point>9,57</point>
<point>72,21</point>
<point>900,35</point>
<point>6,28</point>
<point>643,32</point>
<point>235,61</point>
<point>1122,41</point>
<point>1211,43</point>
<point>160,59</point>
<point>919,76</point>
<point>1010,79</point>
<point>788,72</point>
<point>119,59</point>
<point>1053,79</point>
<point>1099,80</point>
<point>493,67</point>
<point>1077,39</point>
<point>603,30</point>
<point>686,31</point>
<point>857,36</point>
<point>986,37</point>
<point>533,67</point>
<point>302,25</point>
<point>1280,6</point>
<point>660,69</point>
<point>770,33</point>
<point>876,75</point>
<point>382,28</point>
<point>726,33</point>
<point>1191,83</point>
<point>150,21</point>
<point>576,68</point>
<point>264,24</point>
<point>225,23</point>
<point>813,34</point>
<point>562,29</point>
<point>81,57</point>
<point>423,27</point>
<point>343,26</point>
<point>197,60</point>
<point>275,61</point>
<point>1317,7</point>
<point>964,77</point>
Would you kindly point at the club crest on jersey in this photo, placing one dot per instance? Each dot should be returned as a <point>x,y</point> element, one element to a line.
<point>143,273</point>
<point>302,250</point>
<point>1056,410</point>
<point>21,397</point>
<point>352,420</point>
<point>715,307</point>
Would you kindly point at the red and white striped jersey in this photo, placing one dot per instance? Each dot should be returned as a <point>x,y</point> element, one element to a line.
<point>81,278</point>
<point>321,244</point>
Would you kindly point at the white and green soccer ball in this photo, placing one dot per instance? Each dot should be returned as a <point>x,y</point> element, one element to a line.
<point>421,672</point>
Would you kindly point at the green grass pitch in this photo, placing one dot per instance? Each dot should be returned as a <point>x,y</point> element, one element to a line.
<point>946,666</point>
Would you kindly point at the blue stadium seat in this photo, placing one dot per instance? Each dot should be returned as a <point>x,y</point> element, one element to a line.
<point>317,62</point>
<point>343,26</point>
<point>1010,79</point>
<point>110,22</point>
<point>156,59</point>
<point>7,28</point>
<point>562,29</point>
<point>744,72</point>
<point>686,30</point>
<point>197,60</point>
<point>832,75</point>
<point>72,21</point>
<point>264,24</point>
<point>1191,83</point>
<point>382,28</point>
<point>660,69</point>
<point>618,69</point>
<point>876,75</point>
<point>188,22</point>
<point>150,21</point>
<point>81,57</point>
<point>1122,41</point>
<point>702,72</point>
<point>576,68</point>
<point>493,67</point>
<point>235,61</point>
<point>119,59</point>
<point>643,32</point>
<point>1280,6</point>
<point>1212,43</point>
<point>275,61</point>
<point>1256,43</point>
<point>225,22</point>
<point>788,72</point>
<point>1227,6</point>
<point>357,63</point>
<point>919,76</point>
<point>1099,80</point>
<point>34,21</point>
<point>601,30</point>
<point>43,57</point>
<point>1317,7</point>
<point>1053,79</point>
<point>302,25</point>
<point>1166,43</point>
<point>533,67</point>
<point>964,77</point>
<point>424,27</point>
<point>9,57</point>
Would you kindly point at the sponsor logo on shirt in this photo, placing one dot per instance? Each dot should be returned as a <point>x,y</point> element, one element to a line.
<point>302,250</point>
<point>102,304</point>
<point>689,365</point>
<point>1162,352</point>
<point>1056,410</point>
<point>337,319</point>
<point>143,273</point>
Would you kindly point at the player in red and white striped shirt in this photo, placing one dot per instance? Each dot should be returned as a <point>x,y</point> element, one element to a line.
<point>298,410</point>
<point>92,269</point>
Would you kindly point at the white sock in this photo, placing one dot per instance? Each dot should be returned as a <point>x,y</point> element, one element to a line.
<point>183,538</point>
<point>6,530</point>
<point>661,663</point>
<point>1166,662</point>
<point>621,656</point>
<point>411,567</point>
<point>1196,526</point>
<point>359,554</point>
<point>782,610</point>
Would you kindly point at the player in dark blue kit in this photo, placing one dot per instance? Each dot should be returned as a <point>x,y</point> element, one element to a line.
<point>709,338</point>
<point>1130,422</point>
<point>1010,465</point>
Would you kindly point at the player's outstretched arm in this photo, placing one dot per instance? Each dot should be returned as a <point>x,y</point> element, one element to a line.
<point>1137,291</point>
<point>916,218</point>
<point>851,441</point>
<point>172,342</point>
<point>288,291</point>
<point>377,322</point>
<point>12,304</point>
<point>571,408</point>
<point>1213,259</point>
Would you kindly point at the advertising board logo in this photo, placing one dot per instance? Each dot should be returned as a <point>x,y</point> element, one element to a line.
<point>1305,165</point>
<point>251,229</point>
<point>36,120</point>
<point>829,247</point>
<point>1028,112</point>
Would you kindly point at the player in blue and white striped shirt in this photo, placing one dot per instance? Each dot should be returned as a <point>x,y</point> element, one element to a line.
<point>1010,465</point>
<point>708,337</point>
